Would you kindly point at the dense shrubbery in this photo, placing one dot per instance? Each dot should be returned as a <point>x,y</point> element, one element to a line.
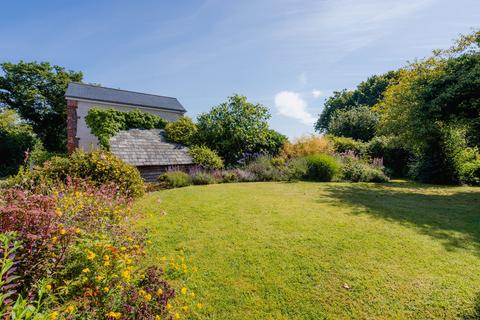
<point>16,140</point>
<point>322,167</point>
<point>355,169</point>
<point>182,131</point>
<point>72,254</point>
<point>200,178</point>
<point>105,123</point>
<point>99,167</point>
<point>205,157</point>
<point>344,144</point>
<point>175,179</point>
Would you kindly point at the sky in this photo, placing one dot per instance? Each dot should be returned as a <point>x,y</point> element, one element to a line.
<point>288,55</point>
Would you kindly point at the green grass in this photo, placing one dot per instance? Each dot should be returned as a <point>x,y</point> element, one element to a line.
<point>286,250</point>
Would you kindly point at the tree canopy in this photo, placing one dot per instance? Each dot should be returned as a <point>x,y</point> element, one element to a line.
<point>238,128</point>
<point>36,91</point>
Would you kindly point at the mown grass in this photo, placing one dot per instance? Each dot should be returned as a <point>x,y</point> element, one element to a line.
<point>323,250</point>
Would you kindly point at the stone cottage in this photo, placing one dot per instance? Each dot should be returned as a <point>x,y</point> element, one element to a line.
<point>147,149</point>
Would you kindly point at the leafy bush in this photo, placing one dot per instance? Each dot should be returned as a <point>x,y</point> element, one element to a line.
<point>296,169</point>
<point>201,178</point>
<point>306,146</point>
<point>322,167</point>
<point>395,158</point>
<point>264,169</point>
<point>356,170</point>
<point>16,140</point>
<point>99,167</point>
<point>182,131</point>
<point>175,179</point>
<point>344,144</point>
<point>205,157</point>
<point>105,123</point>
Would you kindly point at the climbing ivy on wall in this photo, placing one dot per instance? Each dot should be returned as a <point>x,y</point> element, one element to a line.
<point>105,123</point>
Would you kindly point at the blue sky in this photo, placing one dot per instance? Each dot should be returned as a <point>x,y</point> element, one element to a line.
<point>286,54</point>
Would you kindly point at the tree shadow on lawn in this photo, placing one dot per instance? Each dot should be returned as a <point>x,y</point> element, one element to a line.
<point>451,215</point>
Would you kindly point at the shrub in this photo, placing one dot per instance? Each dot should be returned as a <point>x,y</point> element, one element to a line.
<point>182,131</point>
<point>264,169</point>
<point>245,176</point>
<point>75,251</point>
<point>175,179</point>
<point>205,157</point>
<point>344,144</point>
<point>201,178</point>
<point>468,166</point>
<point>99,167</point>
<point>16,140</point>
<point>296,169</point>
<point>306,146</point>
<point>105,123</point>
<point>356,170</point>
<point>322,167</point>
<point>394,158</point>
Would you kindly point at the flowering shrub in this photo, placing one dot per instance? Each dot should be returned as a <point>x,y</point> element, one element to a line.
<point>100,167</point>
<point>205,157</point>
<point>200,178</point>
<point>355,169</point>
<point>175,179</point>
<point>75,256</point>
<point>306,146</point>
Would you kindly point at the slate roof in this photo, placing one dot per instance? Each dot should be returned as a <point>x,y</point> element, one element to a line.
<point>97,93</point>
<point>148,148</point>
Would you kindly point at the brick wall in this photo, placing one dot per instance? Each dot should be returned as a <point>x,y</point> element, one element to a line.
<point>72,141</point>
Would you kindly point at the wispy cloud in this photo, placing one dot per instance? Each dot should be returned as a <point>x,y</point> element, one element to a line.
<point>316,93</point>
<point>290,104</point>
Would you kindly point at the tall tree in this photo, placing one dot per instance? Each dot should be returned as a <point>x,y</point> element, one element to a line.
<point>36,91</point>
<point>367,93</point>
<point>237,128</point>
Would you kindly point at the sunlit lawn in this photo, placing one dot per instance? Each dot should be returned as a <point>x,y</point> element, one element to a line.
<point>323,250</point>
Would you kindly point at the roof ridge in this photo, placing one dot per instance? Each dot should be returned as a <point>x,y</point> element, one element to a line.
<point>98,86</point>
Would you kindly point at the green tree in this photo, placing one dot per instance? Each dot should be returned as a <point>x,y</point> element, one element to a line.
<point>36,91</point>
<point>236,128</point>
<point>367,93</point>
<point>358,123</point>
<point>182,131</point>
<point>16,139</point>
<point>434,100</point>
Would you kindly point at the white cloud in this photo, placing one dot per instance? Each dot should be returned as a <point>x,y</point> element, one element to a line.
<point>316,93</point>
<point>291,105</point>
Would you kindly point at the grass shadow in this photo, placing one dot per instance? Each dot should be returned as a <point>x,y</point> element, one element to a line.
<point>446,213</point>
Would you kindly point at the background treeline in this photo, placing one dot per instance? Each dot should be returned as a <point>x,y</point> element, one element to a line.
<point>423,119</point>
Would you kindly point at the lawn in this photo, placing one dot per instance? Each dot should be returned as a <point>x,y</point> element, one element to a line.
<point>323,250</point>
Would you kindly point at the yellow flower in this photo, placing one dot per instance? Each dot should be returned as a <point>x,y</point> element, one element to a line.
<point>86,270</point>
<point>184,266</point>
<point>141,292</point>
<point>126,275</point>
<point>176,316</point>
<point>159,291</point>
<point>106,257</point>
<point>63,232</point>
<point>149,241</point>
<point>48,287</point>
<point>185,308</point>
<point>54,239</point>
<point>192,294</point>
<point>99,278</point>
<point>106,289</point>
<point>169,306</point>
<point>157,317</point>
<point>90,255</point>
<point>199,305</point>
<point>77,230</point>
<point>58,212</point>
<point>123,248</point>
<point>148,297</point>
<point>194,269</point>
<point>106,263</point>
<point>183,290</point>
<point>53,315</point>
<point>70,309</point>
<point>114,315</point>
